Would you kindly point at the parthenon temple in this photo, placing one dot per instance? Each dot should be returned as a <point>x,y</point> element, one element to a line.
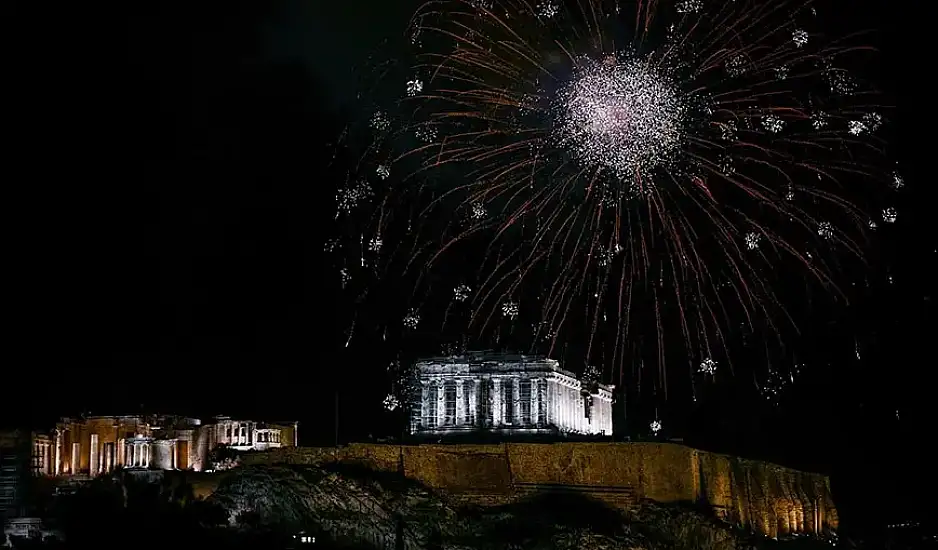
<point>507,394</point>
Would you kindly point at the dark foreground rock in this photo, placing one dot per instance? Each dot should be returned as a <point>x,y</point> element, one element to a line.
<point>362,508</point>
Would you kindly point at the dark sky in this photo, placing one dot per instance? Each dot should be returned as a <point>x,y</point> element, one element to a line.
<point>175,163</point>
<point>176,232</point>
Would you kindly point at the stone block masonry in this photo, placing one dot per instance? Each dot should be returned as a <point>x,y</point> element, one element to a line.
<point>764,497</point>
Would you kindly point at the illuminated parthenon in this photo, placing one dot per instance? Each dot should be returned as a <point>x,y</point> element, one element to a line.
<point>507,394</point>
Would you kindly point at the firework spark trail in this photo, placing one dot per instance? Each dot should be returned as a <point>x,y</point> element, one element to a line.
<point>627,175</point>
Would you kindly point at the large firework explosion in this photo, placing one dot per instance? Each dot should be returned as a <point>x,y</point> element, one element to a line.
<point>652,183</point>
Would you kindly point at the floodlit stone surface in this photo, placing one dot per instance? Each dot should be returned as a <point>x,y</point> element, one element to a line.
<point>764,497</point>
<point>509,394</point>
<point>94,445</point>
<point>357,506</point>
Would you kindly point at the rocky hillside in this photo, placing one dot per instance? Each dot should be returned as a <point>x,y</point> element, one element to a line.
<point>362,508</point>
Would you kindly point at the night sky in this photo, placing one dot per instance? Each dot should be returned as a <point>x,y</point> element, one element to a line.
<point>175,161</point>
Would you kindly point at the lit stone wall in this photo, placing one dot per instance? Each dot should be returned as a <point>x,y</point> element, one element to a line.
<point>288,433</point>
<point>765,497</point>
<point>161,457</point>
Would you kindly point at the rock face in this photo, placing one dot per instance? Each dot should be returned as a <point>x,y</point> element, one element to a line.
<point>353,506</point>
<point>765,498</point>
<point>357,507</point>
<point>350,506</point>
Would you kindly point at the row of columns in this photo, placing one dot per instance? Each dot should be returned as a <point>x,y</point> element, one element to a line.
<point>267,436</point>
<point>51,457</point>
<point>241,433</point>
<point>466,408</point>
<point>246,433</point>
<point>42,453</point>
<point>568,409</point>
<point>57,454</point>
<point>137,454</point>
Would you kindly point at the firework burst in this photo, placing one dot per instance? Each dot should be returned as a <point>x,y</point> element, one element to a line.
<point>648,176</point>
<point>619,116</point>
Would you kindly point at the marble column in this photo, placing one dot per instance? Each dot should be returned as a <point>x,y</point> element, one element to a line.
<point>568,407</point>
<point>551,402</point>
<point>571,408</point>
<point>472,388</point>
<point>58,453</point>
<point>580,412</point>
<point>564,409</point>
<point>548,391</point>
<point>561,405</point>
<point>600,408</point>
<point>516,401</point>
<point>424,397</point>
<point>484,400</point>
<point>497,411</point>
<point>440,404</point>
<point>564,417</point>
<point>555,402</point>
<point>94,458</point>
<point>535,402</point>
<point>460,404</point>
